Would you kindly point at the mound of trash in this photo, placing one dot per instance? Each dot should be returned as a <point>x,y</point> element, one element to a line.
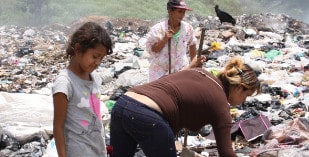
<point>276,45</point>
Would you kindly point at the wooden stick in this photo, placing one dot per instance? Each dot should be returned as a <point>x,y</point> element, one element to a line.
<point>185,137</point>
<point>200,48</point>
<point>169,56</point>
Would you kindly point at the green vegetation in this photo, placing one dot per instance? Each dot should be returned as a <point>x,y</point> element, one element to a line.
<point>44,12</point>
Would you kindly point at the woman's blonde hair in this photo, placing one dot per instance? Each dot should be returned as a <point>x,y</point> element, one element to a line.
<point>237,73</point>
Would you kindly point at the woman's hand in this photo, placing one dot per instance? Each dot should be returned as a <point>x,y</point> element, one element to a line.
<point>201,60</point>
<point>196,62</point>
<point>169,33</point>
<point>157,47</point>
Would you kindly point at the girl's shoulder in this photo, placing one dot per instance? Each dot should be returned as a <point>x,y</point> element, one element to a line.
<point>63,74</point>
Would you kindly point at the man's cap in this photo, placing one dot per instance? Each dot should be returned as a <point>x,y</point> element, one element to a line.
<point>180,4</point>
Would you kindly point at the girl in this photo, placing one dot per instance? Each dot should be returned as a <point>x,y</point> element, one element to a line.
<point>78,128</point>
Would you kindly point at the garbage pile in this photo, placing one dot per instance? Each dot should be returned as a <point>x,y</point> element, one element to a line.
<point>275,45</point>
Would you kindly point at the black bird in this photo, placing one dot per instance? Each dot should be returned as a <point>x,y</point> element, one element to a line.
<point>224,16</point>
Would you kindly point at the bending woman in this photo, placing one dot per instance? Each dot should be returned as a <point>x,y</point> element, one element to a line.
<point>151,114</point>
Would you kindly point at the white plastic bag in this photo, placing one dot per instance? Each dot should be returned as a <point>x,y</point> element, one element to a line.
<point>51,150</point>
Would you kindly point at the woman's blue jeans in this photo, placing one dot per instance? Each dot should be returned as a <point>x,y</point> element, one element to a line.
<point>133,123</point>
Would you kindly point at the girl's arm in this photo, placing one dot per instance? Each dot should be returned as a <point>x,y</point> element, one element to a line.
<point>60,110</point>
